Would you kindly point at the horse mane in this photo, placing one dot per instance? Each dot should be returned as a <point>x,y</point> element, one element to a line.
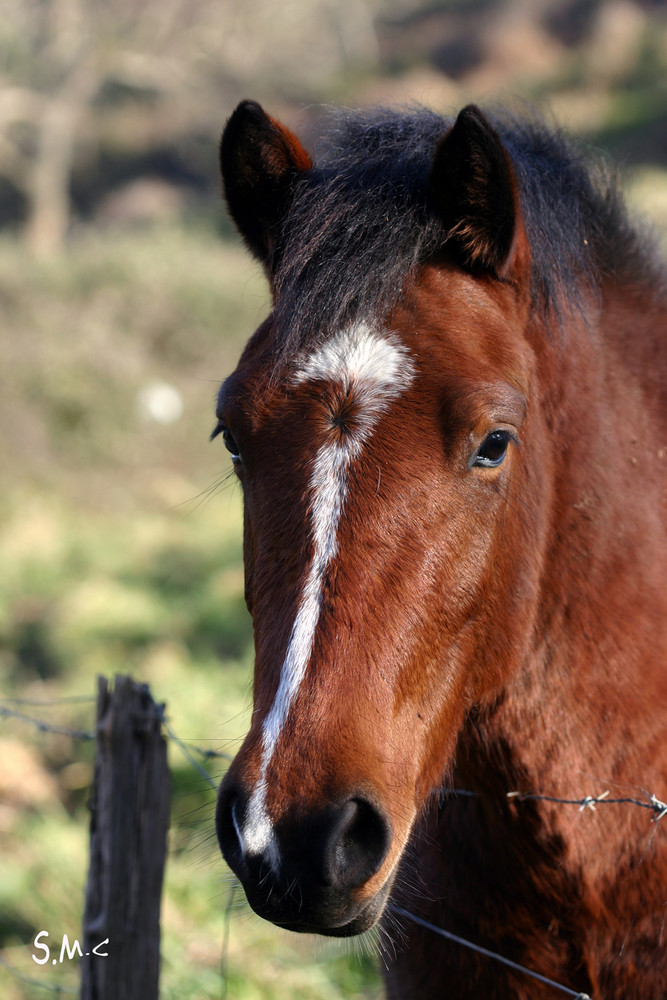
<point>361,222</point>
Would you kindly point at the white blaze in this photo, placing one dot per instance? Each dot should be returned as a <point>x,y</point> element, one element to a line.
<point>375,368</point>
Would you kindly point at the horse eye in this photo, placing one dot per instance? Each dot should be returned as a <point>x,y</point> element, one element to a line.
<point>491,453</point>
<point>230,443</point>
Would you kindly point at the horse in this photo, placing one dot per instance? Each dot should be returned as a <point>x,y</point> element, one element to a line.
<point>451,435</point>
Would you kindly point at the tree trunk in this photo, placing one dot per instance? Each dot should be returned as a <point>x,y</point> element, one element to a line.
<point>48,187</point>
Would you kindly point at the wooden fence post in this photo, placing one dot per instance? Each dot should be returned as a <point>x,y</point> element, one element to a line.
<point>128,839</point>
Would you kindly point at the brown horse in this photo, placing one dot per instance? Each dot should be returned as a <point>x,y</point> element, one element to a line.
<point>452,441</point>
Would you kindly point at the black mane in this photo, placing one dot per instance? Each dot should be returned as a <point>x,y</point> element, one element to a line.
<point>361,221</point>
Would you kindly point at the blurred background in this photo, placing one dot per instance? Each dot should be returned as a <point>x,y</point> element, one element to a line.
<point>125,298</point>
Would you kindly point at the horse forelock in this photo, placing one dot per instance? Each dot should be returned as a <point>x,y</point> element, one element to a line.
<point>361,223</point>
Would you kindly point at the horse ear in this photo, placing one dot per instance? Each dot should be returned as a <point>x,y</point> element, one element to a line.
<point>473,187</point>
<point>260,161</point>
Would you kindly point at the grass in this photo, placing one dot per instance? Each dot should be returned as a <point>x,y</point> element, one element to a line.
<point>120,542</point>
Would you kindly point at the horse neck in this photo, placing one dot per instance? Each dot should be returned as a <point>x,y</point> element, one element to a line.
<point>592,690</point>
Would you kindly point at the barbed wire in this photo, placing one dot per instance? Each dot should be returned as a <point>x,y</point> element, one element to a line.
<point>188,749</point>
<point>652,802</point>
<point>45,727</point>
<point>63,700</point>
<point>658,808</point>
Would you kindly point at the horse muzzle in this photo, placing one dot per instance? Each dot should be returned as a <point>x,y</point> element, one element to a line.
<point>312,869</point>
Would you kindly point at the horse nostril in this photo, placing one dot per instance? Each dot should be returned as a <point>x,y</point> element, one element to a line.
<point>228,813</point>
<point>358,843</point>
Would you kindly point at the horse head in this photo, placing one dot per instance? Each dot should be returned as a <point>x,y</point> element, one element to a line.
<point>396,478</point>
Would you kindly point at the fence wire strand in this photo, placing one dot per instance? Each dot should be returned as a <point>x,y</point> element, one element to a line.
<point>187,753</point>
<point>658,808</point>
<point>485,951</point>
<point>48,702</point>
<point>188,749</point>
<point>44,727</point>
<point>651,802</point>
